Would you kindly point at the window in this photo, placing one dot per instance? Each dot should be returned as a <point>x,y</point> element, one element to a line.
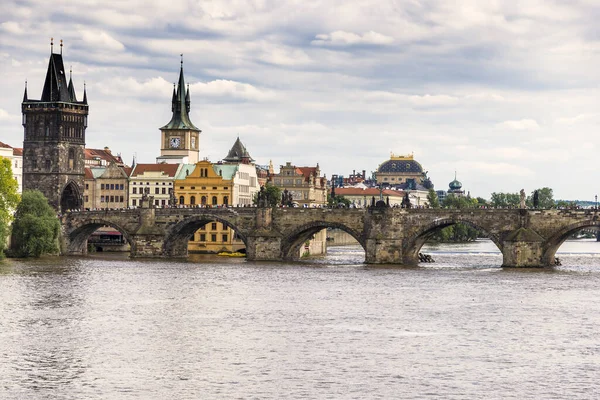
<point>181,200</point>
<point>112,199</point>
<point>101,199</point>
<point>71,158</point>
<point>87,199</point>
<point>203,200</point>
<point>133,202</point>
<point>181,187</point>
<point>121,199</point>
<point>112,186</point>
<point>213,226</point>
<point>224,237</point>
<point>155,202</point>
<point>193,187</point>
<point>48,165</point>
<point>214,188</point>
<point>102,186</point>
<point>121,186</point>
<point>134,190</point>
<point>203,187</point>
<point>203,237</point>
<point>226,200</point>
<point>162,202</point>
<point>193,200</point>
<point>164,190</point>
<point>214,200</point>
<point>156,190</point>
<point>213,237</point>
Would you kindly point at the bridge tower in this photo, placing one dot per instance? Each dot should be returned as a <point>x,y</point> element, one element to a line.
<point>54,138</point>
<point>180,138</point>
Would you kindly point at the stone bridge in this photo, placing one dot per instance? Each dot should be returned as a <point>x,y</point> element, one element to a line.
<point>526,238</point>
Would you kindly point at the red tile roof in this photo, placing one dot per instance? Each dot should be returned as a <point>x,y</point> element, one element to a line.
<point>167,169</point>
<point>4,145</point>
<point>103,154</point>
<point>17,151</point>
<point>88,173</point>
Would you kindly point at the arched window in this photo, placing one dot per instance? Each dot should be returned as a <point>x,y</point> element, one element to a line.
<point>193,200</point>
<point>214,200</point>
<point>203,200</point>
<point>181,200</point>
<point>226,200</point>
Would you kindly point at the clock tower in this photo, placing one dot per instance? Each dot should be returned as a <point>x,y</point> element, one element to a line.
<point>180,138</point>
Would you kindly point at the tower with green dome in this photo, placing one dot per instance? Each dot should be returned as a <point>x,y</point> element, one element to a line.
<point>456,187</point>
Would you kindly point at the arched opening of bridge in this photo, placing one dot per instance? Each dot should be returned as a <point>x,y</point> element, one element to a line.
<point>329,242</point>
<point>577,245</point>
<point>99,236</point>
<point>454,243</point>
<point>205,235</point>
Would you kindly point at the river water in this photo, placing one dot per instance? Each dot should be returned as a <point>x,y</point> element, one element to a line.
<point>106,327</point>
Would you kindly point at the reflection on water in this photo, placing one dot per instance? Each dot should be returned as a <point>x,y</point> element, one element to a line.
<point>212,327</point>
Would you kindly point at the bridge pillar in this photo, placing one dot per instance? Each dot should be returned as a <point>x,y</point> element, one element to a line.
<point>383,244</point>
<point>523,248</point>
<point>265,247</point>
<point>149,239</point>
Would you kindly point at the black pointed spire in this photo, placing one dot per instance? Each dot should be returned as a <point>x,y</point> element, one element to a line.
<point>180,106</point>
<point>187,98</point>
<point>238,153</point>
<point>84,94</point>
<point>25,94</point>
<point>72,96</point>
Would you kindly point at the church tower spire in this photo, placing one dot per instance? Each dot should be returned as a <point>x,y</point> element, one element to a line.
<point>180,138</point>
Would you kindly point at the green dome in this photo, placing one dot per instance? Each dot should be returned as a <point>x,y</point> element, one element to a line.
<point>455,185</point>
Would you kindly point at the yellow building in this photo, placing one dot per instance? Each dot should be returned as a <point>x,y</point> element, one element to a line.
<point>205,184</point>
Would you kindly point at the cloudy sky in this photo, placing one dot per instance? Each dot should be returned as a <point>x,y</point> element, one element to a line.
<point>507,93</point>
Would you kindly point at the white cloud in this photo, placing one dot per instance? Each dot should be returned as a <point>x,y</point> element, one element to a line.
<point>237,90</point>
<point>343,38</point>
<point>100,40</point>
<point>4,115</point>
<point>11,27</point>
<point>520,125</point>
<point>576,120</point>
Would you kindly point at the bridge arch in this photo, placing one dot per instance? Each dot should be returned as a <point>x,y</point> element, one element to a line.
<point>78,237</point>
<point>413,246</point>
<point>293,240</point>
<point>177,237</point>
<point>553,243</point>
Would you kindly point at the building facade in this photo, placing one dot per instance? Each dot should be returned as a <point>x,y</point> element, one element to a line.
<point>155,181</point>
<point>399,170</point>
<point>106,187</point>
<point>54,139</point>
<point>307,186</point>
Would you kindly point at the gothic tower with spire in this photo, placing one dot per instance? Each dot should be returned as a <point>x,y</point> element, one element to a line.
<point>180,138</point>
<point>54,138</point>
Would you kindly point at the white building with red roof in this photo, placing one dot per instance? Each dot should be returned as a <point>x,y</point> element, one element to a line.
<point>156,180</point>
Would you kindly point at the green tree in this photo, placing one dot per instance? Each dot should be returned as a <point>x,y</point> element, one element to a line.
<point>545,198</point>
<point>273,195</point>
<point>36,227</point>
<point>432,199</point>
<point>9,198</point>
<point>505,200</point>
<point>453,201</point>
<point>333,201</point>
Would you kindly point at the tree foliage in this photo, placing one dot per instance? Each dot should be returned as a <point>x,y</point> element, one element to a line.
<point>36,227</point>
<point>9,198</point>
<point>273,195</point>
<point>545,198</point>
<point>456,233</point>
<point>505,200</point>
<point>432,199</point>
<point>453,201</point>
<point>334,201</point>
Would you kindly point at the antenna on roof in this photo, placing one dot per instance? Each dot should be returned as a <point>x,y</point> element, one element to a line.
<point>51,45</point>
<point>61,44</point>
<point>181,60</point>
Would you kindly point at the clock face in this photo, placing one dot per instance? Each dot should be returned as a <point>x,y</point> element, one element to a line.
<point>175,142</point>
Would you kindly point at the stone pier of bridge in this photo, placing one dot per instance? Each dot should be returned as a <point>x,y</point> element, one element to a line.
<point>526,238</point>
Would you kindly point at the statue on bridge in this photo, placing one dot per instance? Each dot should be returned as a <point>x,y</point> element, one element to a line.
<point>286,198</point>
<point>262,198</point>
<point>536,199</point>
<point>406,201</point>
<point>522,197</point>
